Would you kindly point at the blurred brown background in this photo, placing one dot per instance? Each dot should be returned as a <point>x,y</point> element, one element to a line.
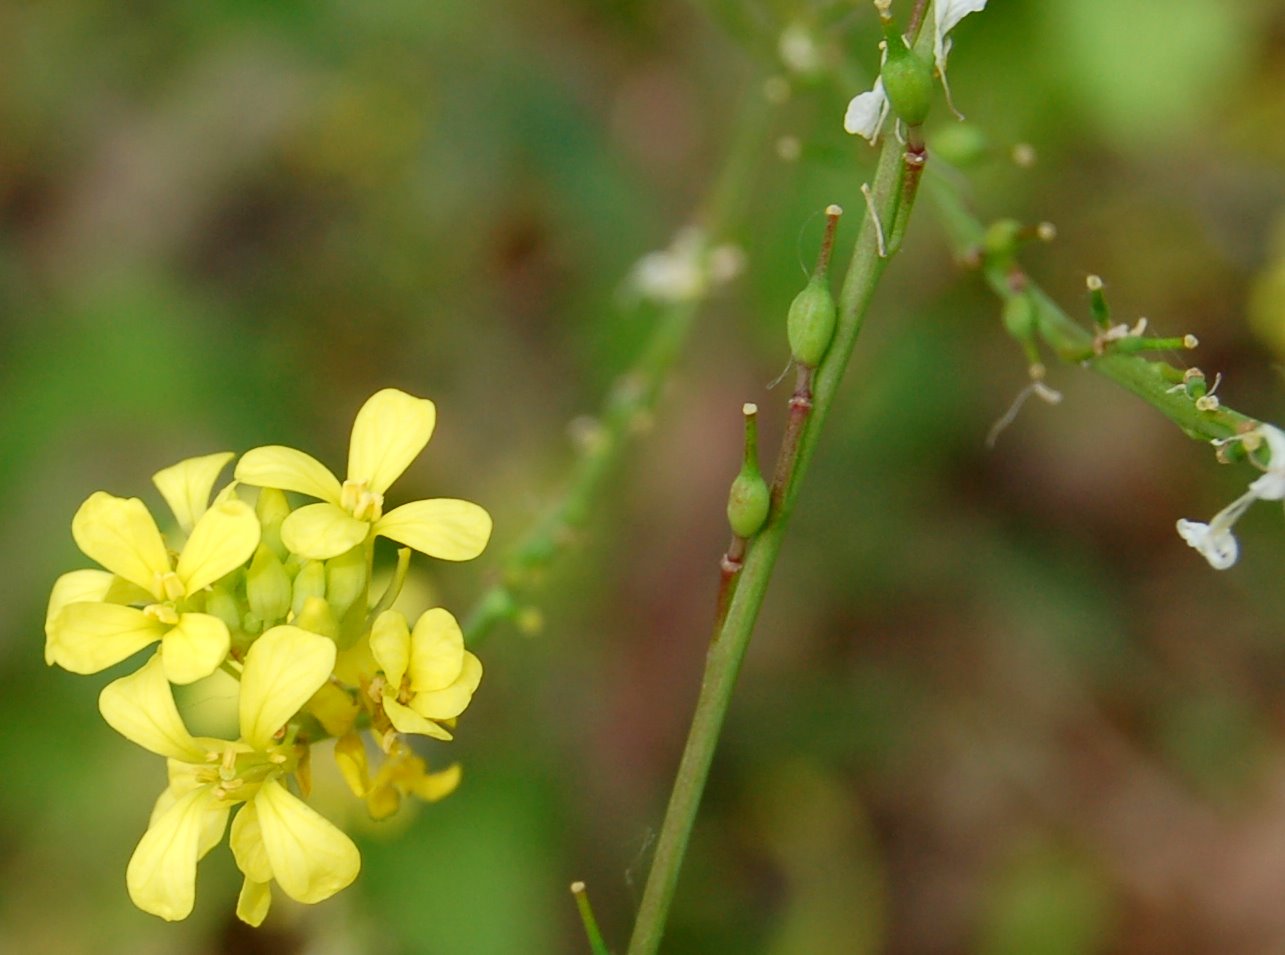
<point>994,706</point>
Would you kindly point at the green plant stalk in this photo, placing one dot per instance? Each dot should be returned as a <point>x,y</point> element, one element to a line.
<point>730,641</point>
<point>632,398</point>
<point>1073,343</point>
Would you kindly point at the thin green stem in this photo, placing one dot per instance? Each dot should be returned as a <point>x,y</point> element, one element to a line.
<point>727,649</point>
<point>1152,381</point>
<point>631,399</point>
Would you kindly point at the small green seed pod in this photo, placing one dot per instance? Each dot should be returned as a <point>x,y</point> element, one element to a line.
<point>1020,317</point>
<point>810,324</point>
<point>749,498</point>
<point>908,81</point>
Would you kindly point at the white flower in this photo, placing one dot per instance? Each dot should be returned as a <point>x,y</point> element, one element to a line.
<point>1215,541</point>
<point>946,15</point>
<point>685,271</point>
<point>867,112</point>
<point>798,50</point>
<point>1271,485</point>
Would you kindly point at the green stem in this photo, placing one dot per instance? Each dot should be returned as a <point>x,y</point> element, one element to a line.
<point>727,649</point>
<point>1152,381</point>
<point>632,398</point>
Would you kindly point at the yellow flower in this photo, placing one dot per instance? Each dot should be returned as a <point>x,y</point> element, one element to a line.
<point>402,773</point>
<point>275,835</point>
<point>390,431</point>
<point>428,675</point>
<point>91,628</point>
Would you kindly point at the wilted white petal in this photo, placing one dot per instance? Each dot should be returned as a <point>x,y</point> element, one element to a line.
<point>866,113</point>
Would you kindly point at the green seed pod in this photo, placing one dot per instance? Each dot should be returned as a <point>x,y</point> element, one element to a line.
<point>749,498</point>
<point>1020,317</point>
<point>908,81</point>
<point>961,144</point>
<point>1002,238</point>
<point>810,324</point>
<point>267,586</point>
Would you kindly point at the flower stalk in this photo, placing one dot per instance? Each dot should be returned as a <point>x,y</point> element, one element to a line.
<point>730,642</point>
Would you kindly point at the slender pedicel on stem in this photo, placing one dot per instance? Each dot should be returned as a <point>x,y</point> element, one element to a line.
<point>747,507</point>
<point>596,943</point>
<point>810,328</point>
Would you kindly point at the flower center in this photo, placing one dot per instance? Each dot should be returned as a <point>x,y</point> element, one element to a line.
<point>163,613</point>
<point>360,501</point>
<point>236,775</point>
<point>169,585</point>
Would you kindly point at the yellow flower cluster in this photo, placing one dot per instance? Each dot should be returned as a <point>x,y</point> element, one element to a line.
<point>280,599</point>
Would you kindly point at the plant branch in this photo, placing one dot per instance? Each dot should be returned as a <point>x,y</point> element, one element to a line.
<point>730,641</point>
<point>631,399</point>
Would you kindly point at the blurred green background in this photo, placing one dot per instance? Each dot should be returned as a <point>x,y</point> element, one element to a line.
<point>994,705</point>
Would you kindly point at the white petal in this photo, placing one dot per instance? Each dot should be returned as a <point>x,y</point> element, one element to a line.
<point>946,14</point>
<point>1219,547</point>
<point>1271,486</point>
<point>867,112</point>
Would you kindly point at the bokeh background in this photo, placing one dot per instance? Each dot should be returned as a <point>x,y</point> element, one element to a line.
<point>994,704</point>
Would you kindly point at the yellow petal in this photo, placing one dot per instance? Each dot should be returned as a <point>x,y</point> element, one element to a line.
<point>334,709</point>
<point>78,586</point>
<point>406,720</point>
<point>246,840</point>
<point>450,701</point>
<point>311,858</point>
<point>443,527</point>
<point>390,644</point>
<point>283,669</point>
<point>322,531</point>
<point>222,540</point>
<point>186,486</point>
<point>437,651</point>
<point>288,470</point>
<point>253,902</point>
<point>350,755</point>
<point>161,875</point>
<point>194,648</point>
<point>391,429</point>
<point>141,708</point>
<point>120,534</point>
<point>88,637</point>
<point>434,786</point>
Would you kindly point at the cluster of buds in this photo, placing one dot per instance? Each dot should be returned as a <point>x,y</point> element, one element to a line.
<point>278,601</point>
